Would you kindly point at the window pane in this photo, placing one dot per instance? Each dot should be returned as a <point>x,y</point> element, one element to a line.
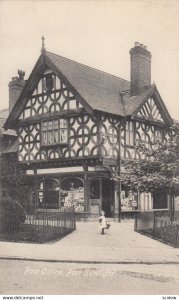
<point>63,136</point>
<point>50,137</point>
<point>50,125</point>
<point>55,136</point>
<point>54,132</point>
<point>129,134</point>
<point>44,137</point>
<point>63,123</point>
<point>127,138</point>
<point>131,139</point>
<point>45,125</point>
<point>55,124</point>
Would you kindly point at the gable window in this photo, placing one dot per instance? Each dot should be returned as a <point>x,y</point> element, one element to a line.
<point>129,133</point>
<point>54,132</point>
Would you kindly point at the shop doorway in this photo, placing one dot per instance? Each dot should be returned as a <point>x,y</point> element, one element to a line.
<point>108,197</point>
<point>102,196</point>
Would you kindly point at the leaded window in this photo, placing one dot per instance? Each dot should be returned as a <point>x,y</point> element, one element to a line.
<point>129,133</point>
<point>54,132</point>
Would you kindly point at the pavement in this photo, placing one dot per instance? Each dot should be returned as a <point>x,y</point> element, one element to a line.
<point>120,245</point>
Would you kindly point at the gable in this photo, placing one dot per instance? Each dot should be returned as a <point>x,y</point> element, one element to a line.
<point>50,96</point>
<point>150,111</point>
<point>152,108</point>
<point>76,86</point>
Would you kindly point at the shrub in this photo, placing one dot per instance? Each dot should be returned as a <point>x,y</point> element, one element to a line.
<point>12,215</point>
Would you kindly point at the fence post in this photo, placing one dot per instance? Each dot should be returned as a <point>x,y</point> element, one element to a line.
<point>43,226</point>
<point>177,237</point>
<point>153,234</point>
<point>135,223</point>
<point>74,219</point>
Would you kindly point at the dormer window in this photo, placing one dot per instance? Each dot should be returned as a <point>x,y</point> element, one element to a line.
<point>54,132</point>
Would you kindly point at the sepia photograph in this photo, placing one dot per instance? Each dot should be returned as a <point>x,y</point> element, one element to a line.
<point>89,149</point>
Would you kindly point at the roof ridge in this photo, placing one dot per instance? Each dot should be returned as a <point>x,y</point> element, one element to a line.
<point>88,66</point>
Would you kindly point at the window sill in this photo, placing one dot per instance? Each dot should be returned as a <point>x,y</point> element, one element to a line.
<point>130,146</point>
<point>54,146</point>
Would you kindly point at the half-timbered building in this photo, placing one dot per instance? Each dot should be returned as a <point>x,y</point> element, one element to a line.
<point>76,125</point>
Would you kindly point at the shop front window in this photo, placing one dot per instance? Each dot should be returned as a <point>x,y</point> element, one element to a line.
<point>129,200</point>
<point>48,194</point>
<point>72,194</point>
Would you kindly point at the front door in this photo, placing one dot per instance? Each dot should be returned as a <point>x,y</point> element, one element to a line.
<point>102,196</point>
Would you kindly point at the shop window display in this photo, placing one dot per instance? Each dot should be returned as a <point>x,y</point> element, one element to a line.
<point>72,193</point>
<point>129,200</point>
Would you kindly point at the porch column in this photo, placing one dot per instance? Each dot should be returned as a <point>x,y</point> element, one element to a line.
<point>86,193</point>
<point>116,200</point>
<point>35,191</point>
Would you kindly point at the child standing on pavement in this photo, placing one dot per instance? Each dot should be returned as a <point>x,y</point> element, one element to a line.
<point>102,221</point>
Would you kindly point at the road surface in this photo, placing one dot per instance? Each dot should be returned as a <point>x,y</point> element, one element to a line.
<point>42,278</point>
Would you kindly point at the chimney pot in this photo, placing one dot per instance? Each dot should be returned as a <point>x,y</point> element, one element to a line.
<point>137,44</point>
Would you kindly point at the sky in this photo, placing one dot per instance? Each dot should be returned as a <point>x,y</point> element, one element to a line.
<point>96,33</point>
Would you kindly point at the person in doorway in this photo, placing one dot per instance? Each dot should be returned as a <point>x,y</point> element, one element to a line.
<point>103,223</point>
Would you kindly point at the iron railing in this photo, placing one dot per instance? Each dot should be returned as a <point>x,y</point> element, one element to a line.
<point>39,227</point>
<point>159,224</point>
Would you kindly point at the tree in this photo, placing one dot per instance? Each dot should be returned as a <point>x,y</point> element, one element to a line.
<point>156,172</point>
<point>14,178</point>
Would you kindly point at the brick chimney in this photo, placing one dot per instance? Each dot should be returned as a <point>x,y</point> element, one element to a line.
<point>140,68</point>
<point>16,86</point>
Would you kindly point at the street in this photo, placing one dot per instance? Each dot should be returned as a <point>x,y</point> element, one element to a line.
<point>43,278</point>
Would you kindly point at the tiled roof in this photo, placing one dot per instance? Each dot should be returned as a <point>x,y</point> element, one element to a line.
<point>13,147</point>
<point>133,102</point>
<point>99,89</point>
<point>3,116</point>
<point>176,121</point>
